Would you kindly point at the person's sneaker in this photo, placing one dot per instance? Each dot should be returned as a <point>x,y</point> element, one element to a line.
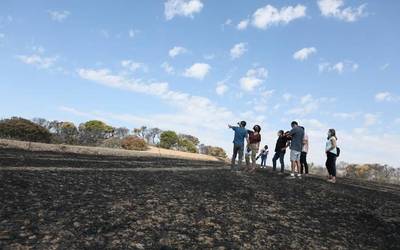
<point>291,176</point>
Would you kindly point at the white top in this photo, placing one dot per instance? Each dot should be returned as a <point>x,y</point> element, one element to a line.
<point>305,145</point>
<point>329,145</point>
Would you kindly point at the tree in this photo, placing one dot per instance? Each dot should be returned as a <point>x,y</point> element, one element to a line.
<point>191,138</point>
<point>187,146</point>
<point>152,134</point>
<point>41,122</point>
<point>140,132</point>
<point>169,139</point>
<point>121,132</point>
<point>94,132</point>
<point>23,129</point>
<point>217,152</point>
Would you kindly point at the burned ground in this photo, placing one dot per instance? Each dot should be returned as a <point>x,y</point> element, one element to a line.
<point>102,208</point>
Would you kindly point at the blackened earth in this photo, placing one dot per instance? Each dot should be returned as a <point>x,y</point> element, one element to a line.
<point>196,209</point>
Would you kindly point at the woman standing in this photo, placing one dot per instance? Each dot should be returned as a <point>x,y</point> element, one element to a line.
<point>252,147</point>
<point>331,154</point>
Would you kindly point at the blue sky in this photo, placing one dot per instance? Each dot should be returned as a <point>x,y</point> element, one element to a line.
<point>196,65</point>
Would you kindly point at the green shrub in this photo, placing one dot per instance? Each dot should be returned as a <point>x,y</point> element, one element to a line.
<point>217,152</point>
<point>23,129</point>
<point>187,146</point>
<point>169,139</point>
<point>134,143</point>
<point>112,142</point>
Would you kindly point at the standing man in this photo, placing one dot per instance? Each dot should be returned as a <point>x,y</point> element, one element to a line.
<point>238,144</point>
<point>303,156</point>
<point>280,150</point>
<point>296,145</point>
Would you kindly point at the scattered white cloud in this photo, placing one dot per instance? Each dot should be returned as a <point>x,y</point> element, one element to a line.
<point>238,50</point>
<point>134,66</point>
<point>132,33</point>
<point>37,60</point>
<point>59,16</point>
<point>346,116</point>
<point>335,8</point>
<point>105,33</point>
<point>397,121</point>
<point>385,66</point>
<point>304,53</point>
<point>260,103</point>
<point>338,67</point>
<point>242,25</point>
<point>308,105</point>
<point>221,88</point>
<point>370,119</point>
<point>185,8</point>
<point>168,68</point>
<point>386,97</point>
<point>253,79</point>
<point>287,97</point>
<point>209,56</point>
<point>228,21</point>
<point>2,35</point>
<point>176,51</point>
<point>197,71</point>
<point>268,15</point>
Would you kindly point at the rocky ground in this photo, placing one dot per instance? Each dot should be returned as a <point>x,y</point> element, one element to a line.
<point>90,205</point>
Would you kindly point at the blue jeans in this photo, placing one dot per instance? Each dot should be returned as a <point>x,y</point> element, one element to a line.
<point>263,160</point>
<point>281,156</point>
<point>237,150</point>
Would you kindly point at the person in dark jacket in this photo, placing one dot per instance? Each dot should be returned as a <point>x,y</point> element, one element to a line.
<point>280,150</point>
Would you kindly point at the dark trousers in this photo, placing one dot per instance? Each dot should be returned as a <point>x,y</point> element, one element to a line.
<point>281,156</point>
<point>263,160</point>
<point>237,150</point>
<point>331,163</point>
<point>303,162</point>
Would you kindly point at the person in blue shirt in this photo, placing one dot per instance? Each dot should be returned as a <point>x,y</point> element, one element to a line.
<point>238,144</point>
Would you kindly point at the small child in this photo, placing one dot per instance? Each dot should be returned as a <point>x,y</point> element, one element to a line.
<point>263,154</point>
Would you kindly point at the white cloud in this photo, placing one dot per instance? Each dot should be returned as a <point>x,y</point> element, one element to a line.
<point>385,66</point>
<point>335,8</point>
<point>345,116</point>
<point>253,79</point>
<point>58,16</point>
<point>38,60</point>
<point>134,66</point>
<point>304,53</point>
<point>197,71</point>
<point>287,97</point>
<point>242,25</point>
<point>238,50</point>
<point>195,115</point>
<point>338,67</point>
<point>168,68</point>
<point>386,97</point>
<point>2,35</point>
<point>132,33</point>
<point>209,56</point>
<point>370,119</point>
<point>177,50</point>
<point>221,88</point>
<point>268,15</point>
<point>228,21</point>
<point>186,8</point>
<point>308,105</point>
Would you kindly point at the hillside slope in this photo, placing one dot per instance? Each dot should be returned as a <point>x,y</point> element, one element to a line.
<point>97,202</point>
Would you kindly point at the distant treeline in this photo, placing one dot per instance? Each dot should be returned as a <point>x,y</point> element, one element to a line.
<point>371,172</point>
<point>98,133</point>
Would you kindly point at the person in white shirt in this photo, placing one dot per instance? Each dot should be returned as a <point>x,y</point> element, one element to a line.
<point>263,154</point>
<point>303,156</point>
<point>331,155</point>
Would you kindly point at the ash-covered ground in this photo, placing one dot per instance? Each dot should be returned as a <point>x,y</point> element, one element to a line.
<point>85,204</point>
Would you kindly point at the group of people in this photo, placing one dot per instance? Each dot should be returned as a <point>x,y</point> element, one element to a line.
<point>296,140</point>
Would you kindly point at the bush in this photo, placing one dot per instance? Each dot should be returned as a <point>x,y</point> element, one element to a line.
<point>134,143</point>
<point>112,142</point>
<point>217,152</point>
<point>23,129</point>
<point>94,132</point>
<point>187,146</point>
<point>169,139</point>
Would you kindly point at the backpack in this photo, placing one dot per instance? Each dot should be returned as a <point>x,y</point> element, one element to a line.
<point>337,151</point>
